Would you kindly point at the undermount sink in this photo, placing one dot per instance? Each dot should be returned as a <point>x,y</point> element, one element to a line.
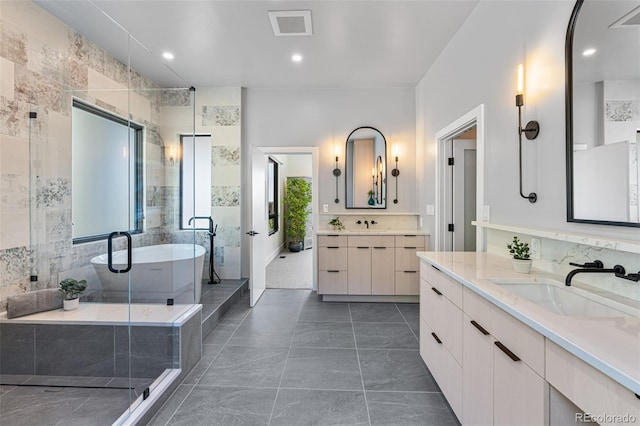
<point>559,299</point>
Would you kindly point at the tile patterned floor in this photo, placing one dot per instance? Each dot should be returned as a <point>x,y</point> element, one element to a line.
<point>295,360</point>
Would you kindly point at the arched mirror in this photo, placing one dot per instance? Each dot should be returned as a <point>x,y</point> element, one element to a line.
<point>365,169</point>
<point>603,113</point>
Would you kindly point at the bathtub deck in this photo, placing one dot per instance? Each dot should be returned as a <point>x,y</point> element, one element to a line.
<point>89,313</point>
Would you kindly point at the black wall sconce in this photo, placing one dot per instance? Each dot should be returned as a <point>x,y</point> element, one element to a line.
<point>337,172</point>
<point>530,131</point>
<point>395,172</point>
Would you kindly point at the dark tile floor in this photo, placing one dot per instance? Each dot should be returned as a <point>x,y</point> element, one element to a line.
<point>295,360</point>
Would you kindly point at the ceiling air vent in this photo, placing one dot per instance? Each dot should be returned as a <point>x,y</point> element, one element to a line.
<point>291,22</point>
<point>631,19</point>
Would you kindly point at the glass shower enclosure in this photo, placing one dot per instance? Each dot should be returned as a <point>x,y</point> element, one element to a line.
<point>104,193</point>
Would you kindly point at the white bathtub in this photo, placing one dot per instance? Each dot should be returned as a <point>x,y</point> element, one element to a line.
<point>157,273</point>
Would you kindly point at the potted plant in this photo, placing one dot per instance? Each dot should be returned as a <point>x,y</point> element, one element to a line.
<point>72,290</point>
<point>371,201</point>
<point>336,224</point>
<point>519,251</point>
<point>296,201</point>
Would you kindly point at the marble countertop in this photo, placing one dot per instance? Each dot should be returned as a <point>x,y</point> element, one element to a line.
<point>372,232</point>
<point>611,345</point>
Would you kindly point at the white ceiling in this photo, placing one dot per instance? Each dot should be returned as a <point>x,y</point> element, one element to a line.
<point>358,43</point>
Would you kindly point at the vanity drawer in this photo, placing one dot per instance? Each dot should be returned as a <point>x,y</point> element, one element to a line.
<point>477,308</point>
<point>417,241</point>
<point>526,343</point>
<point>332,240</point>
<point>407,283</point>
<point>406,259</point>
<point>332,282</point>
<point>371,240</point>
<point>332,258</point>
<point>450,288</point>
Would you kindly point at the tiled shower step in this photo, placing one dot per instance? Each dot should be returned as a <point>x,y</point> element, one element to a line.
<point>217,299</point>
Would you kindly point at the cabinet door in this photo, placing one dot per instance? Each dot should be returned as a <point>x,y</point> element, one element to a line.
<point>477,374</point>
<point>519,394</point>
<point>359,270</point>
<point>382,270</point>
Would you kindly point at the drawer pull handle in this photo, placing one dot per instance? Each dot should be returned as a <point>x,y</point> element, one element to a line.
<point>435,336</point>
<point>434,267</point>
<point>411,248</point>
<point>379,248</point>
<point>333,271</point>
<point>479,327</point>
<point>363,247</point>
<point>436,291</point>
<point>332,247</point>
<point>333,235</point>
<point>637,396</point>
<point>506,350</point>
<point>410,235</point>
<point>409,272</point>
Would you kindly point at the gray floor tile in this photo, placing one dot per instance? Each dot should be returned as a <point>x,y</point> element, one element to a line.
<point>314,368</point>
<point>384,336</point>
<point>325,312</point>
<point>263,333</point>
<point>319,407</point>
<point>170,406</point>
<point>246,366</point>
<point>324,335</point>
<point>209,353</point>
<point>393,370</point>
<point>375,312</point>
<point>210,405</point>
<point>409,310</point>
<point>401,408</point>
<point>220,334</point>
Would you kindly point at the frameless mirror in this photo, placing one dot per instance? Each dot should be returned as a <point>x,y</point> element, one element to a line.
<point>365,169</point>
<point>603,112</point>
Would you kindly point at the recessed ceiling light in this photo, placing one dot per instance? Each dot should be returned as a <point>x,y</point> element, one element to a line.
<point>296,57</point>
<point>167,55</point>
<point>589,52</point>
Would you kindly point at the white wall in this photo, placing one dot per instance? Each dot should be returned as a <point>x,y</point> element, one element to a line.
<point>479,67</point>
<point>320,117</point>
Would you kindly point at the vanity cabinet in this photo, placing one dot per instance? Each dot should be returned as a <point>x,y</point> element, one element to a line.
<point>369,265</point>
<point>407,271</point>
<point>489,365</point>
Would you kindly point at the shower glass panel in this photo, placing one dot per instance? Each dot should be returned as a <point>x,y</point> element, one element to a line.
<point>103,207</point>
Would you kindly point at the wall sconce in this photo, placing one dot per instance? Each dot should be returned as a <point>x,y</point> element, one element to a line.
<point>336,170</point>
<point>530,131</point>
<point>168,155</point>
<point>395,172</point>
<point>379,179</point>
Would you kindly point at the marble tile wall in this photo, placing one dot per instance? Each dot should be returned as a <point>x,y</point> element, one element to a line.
<point>555,256</point>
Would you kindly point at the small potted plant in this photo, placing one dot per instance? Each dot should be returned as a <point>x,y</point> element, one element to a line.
<point>336,224</point>
<point>519,251</point>
<point>371,201</point>
<point>72,290</point>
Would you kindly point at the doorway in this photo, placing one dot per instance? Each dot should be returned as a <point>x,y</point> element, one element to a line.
<point>266,246</point>
<point>460,183</point>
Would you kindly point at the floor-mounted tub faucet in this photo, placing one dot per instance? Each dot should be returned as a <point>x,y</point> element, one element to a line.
<point>594,267</point>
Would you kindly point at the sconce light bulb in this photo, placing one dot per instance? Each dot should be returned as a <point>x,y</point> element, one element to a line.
<point>520,84</point>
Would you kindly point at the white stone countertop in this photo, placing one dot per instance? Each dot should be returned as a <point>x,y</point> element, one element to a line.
<point>372,232</point>
<point>111,314</point>
<point>611,345</point>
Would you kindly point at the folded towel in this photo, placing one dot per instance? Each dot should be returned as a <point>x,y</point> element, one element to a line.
<point>34,301</point>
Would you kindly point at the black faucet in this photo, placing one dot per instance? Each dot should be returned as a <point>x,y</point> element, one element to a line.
<point>211,232</point>
<point>366,222</point>
<point>595,267</point>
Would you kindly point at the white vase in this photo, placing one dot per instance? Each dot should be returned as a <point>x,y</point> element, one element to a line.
<point>70,305</point>
<point>522,266</point>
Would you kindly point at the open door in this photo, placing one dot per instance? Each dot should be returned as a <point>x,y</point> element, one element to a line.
<point>258,233</point>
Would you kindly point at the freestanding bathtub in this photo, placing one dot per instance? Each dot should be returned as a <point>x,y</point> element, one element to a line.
<point>158,273</point>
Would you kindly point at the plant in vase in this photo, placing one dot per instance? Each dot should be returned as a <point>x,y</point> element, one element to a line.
<point>519,251</point>
<point>296,200</point>
<point>371,201</point>
<point>72,290</point>
<point>336,224</point>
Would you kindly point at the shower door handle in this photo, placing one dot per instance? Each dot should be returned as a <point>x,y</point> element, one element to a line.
<point>110,252</point>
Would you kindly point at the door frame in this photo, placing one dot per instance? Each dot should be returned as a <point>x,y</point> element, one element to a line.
<point>475,117</point>
<point>315,166</point>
